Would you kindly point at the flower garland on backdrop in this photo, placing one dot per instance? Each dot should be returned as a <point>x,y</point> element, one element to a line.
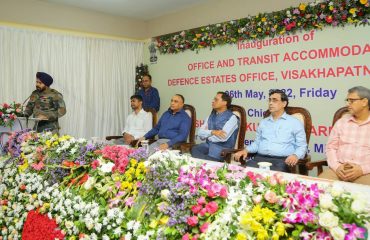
<point>9,113</point>
<point>61,187</point>
<point>315,15</point>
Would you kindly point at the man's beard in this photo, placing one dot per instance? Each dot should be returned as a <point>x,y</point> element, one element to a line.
<point>40,89</point>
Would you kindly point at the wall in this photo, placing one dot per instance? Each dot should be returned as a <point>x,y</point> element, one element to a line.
<point>214,12</point>
<point>50,15</point>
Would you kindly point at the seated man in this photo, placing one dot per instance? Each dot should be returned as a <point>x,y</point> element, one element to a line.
<point>348,147</point>
<point>138,122</point>
<point>173,126</point>
<point>280,138</point>
<point>220,130</point>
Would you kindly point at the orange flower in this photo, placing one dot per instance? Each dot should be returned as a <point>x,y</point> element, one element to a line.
<point>302,7</point>
<point>363,1</point>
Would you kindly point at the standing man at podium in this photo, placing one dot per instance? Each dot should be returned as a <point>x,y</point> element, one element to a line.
<point>45,104</point>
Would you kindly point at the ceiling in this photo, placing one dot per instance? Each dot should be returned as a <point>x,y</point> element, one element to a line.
<point>138,9</point>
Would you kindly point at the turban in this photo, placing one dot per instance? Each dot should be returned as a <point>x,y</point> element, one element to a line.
<point>44,78</point>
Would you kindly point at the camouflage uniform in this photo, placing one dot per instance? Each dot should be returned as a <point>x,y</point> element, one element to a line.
<point>49,103</point>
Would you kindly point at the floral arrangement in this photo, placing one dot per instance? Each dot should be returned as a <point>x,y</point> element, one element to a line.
<point>315,15</point>
<point>8,113</point>
<point>110,192</point>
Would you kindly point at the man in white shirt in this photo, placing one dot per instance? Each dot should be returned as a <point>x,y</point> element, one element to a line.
<point>138,122</point>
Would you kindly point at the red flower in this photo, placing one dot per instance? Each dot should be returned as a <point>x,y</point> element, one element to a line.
<point>5,105</point>
<point>196,209</point>
<point>4,202</point>
<point>69,164</point>
<point>192,221</point>
<point>344,17</point>
<point>40,227</point>
<point>212,207</point>
<point>95,164</point>
<point>1,113</point>
<point>204,227</point>
<point>22,187</point>
<point>83,179</point>
<point>329,19</point>
<point>201,200</point>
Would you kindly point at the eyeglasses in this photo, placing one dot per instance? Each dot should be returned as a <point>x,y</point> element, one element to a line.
<point>352,100</point>
<point>274,100</point>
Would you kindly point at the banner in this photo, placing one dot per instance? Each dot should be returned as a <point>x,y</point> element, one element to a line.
<point>314,68</point>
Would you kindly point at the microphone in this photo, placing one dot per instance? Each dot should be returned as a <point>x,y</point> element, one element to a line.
<point>23,105</point>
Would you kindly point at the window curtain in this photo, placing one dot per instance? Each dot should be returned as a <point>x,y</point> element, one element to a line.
<point>96,76</point>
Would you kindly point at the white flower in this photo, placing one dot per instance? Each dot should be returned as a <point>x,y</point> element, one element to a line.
<point>68,224</point>
<point>89,183</point>
<point>328,220</point>
<point>128,236</point>
<point>326,201</point>
<point>98,227</point>
<point>165,193</point>
<point>358,206</point>
<point>337,233</point>
<point>118,231</point>
<point>105,237</point>
<point>336,190</point>
<point>107,168</point>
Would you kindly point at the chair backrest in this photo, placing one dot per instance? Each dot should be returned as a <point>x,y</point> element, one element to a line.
<point>239,111</point>
<point>154,115</point>
<point>340,113</point>
<point>190,110</point>
<point>301,114</point>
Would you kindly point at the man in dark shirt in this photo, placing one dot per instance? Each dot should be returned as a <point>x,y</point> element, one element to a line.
<point>173,126</point>
<point>149,94</point>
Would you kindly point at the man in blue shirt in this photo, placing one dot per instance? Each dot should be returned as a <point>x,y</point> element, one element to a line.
<point>280,138</point>
<point>220,130</point>
<point>173,126</point>
<point>149,94</point>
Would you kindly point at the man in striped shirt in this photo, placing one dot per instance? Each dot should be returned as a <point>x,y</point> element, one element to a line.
<point>348,147</point>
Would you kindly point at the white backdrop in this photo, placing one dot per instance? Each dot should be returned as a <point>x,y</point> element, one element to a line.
<point>95,76</point>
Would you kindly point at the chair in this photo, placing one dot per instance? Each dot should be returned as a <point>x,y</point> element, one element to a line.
<point>239,111</point>
<point>154,122</point>
<point>303,115</point>
<point>319,164</point>
<point>186,146</point>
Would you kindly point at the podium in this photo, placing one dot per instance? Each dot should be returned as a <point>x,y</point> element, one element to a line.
<point>20,123</point>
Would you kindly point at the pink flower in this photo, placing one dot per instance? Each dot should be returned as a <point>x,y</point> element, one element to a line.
<point>211,193</point>
<point>195,237</point>
<point>204,227</point>
<point>196,209</point>
<point>118,184</point>
<point>186,237</point>
<point>192,221</point>
<point>201,200</point>
<point>138,184</point>
<point>271,197</point>
<point>95,164</point>
<point>203,212</point>
<point>212,207</point>
<point>257,199</point>
<point>38,166</point>
<point>129,202</point>
<point>223,192</point>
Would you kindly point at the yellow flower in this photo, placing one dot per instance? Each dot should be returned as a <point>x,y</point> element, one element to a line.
<point>275,26</point>
<point>331,8</point>
<point>116,178</point>
<point>241,236</point>
<point>198,35</point>
<point>55,143</point>
<point>133,162</point>
<point>262,234</point>
<point>263,19</point>
<point>268,215</point>
<point>302,7</point>
<point>72,238</point>
<point>137,173</point>
<point>280,229</point>
<point>24,166</point>
<point>352,10</point>
<point>48,143</point>
<point>141,165</point>
<point>282,32</point>
<point>275,237</point>
<point>363,1</point>
<point>153,223</point>
<point>34,196</point>
<point>259,29</point>
<point>164,220</point>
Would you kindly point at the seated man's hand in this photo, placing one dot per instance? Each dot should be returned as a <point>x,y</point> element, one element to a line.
<point>128,138</point>
<point>139,141</point>
<point>219,133</point>
<point>163,146</point>
<point>291,160</point>
<point>341,172</point>
<point>352,171</point>
<point>242,153</point>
